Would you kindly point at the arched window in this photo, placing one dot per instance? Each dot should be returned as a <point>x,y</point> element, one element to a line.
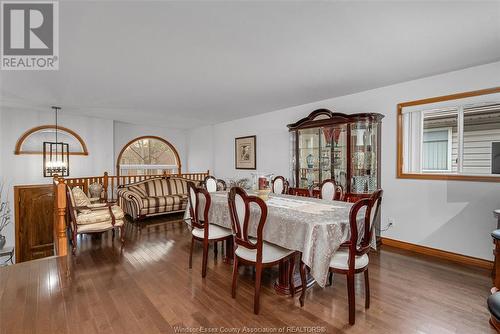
<point>148,155</point>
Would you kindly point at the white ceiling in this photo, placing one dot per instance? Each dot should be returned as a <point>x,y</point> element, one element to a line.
<point>186,64</point>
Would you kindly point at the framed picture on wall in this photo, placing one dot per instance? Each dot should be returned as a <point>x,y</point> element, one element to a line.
<point>245,152</point>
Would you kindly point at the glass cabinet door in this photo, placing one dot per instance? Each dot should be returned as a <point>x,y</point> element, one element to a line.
<point>309,153</point>
<point>322,155</point>
<point>363,157</point>
<point>334,154</point>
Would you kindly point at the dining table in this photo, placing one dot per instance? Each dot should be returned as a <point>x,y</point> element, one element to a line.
<point>314,227</point>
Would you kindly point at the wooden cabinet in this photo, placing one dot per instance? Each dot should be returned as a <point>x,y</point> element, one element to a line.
<point>345,148</point>
<point>34,215</point>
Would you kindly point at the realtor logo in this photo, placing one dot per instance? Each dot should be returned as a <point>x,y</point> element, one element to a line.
<point>30,35</point>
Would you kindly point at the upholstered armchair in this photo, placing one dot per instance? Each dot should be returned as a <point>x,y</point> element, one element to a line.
<point>87,218</point>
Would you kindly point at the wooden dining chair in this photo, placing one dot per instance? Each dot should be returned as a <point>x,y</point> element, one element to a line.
<point>210,184</point>
<point>330,190</point>
<point>279,185</point>
<point>254,251</point>
<point>221,185</point>
<point>353,259</point>
<point>202,230</point>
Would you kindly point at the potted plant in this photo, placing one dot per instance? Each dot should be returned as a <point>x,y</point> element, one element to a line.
<point>4,215</point>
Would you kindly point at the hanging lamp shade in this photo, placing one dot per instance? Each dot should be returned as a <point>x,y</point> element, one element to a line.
<point>55,155</point>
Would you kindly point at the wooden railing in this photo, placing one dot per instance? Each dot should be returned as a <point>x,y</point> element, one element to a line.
<point>110,184</point>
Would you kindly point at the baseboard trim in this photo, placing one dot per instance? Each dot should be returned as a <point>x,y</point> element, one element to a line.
<point>458,258</point>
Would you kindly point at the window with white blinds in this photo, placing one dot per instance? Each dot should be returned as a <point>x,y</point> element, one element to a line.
<point>458,137</point>
<point>436,150</point>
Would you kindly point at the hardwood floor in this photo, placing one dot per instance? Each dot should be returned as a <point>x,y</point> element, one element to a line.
<point>148,288</point>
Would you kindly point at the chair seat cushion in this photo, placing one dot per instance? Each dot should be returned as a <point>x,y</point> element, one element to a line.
<point>270,253</point>
<point>99,216</point>
<point>341,257</point>
<point>99,227</point>
<point>214,232</point>
<point>163,209</point>
<point>494,305</point>
<point>496,234</point>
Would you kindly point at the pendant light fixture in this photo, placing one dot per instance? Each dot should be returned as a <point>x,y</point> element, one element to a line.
<point>55,155</point>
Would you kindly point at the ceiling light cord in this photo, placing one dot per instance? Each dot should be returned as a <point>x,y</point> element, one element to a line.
<point>56,109</point>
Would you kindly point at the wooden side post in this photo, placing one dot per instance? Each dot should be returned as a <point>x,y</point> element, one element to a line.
<point>105,186</point>
<point>60,236</point>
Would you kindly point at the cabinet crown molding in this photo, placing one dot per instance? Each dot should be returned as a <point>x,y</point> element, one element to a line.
<point>327,117</point>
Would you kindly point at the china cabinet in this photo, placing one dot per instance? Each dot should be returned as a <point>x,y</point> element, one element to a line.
<point>330,145</point>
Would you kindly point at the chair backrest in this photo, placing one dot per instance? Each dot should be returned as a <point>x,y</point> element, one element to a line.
<point>221,185</point>
<point>174,186</point>
<point>339,193</point>
<point>199,207</point>
<point>359,246</point>
<point>80,184</point>
<point>158,186</point>
<point>330,190</point>
<point>239,209</point>
<point>71,206</point>
<point>279,185</point>
<point>373,214</point>
<point>211,184</point>
<point>194,206</point>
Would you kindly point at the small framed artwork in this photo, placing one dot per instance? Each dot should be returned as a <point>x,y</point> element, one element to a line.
<point>245,152</point>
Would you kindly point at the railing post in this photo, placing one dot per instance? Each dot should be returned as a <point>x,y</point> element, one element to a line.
<point>105,183</point>
<point>60,237</point>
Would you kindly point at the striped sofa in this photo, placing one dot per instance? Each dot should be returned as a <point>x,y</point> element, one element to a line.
<point>153,197</point>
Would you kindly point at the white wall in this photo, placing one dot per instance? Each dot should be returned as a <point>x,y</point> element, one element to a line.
<point>27,169</point>
<point>125,132</point>
<point>201,150</point>
<point>452,216</point>
<point>1,142</point>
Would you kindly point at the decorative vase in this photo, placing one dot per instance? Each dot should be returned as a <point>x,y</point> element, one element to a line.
<point>325,162</point>
<point>359,160</point>
<point>263,183</point>
<point>310,161</point>
<point>95,190</point>
<point>368,159</point>
<point>2,241</point>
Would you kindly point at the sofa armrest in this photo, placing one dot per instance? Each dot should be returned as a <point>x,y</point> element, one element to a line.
<point>131,202</point>
<point>131,196</point>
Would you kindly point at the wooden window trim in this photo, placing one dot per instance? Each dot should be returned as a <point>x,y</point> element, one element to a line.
<point>20,141</point>
<point>448,177</point>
